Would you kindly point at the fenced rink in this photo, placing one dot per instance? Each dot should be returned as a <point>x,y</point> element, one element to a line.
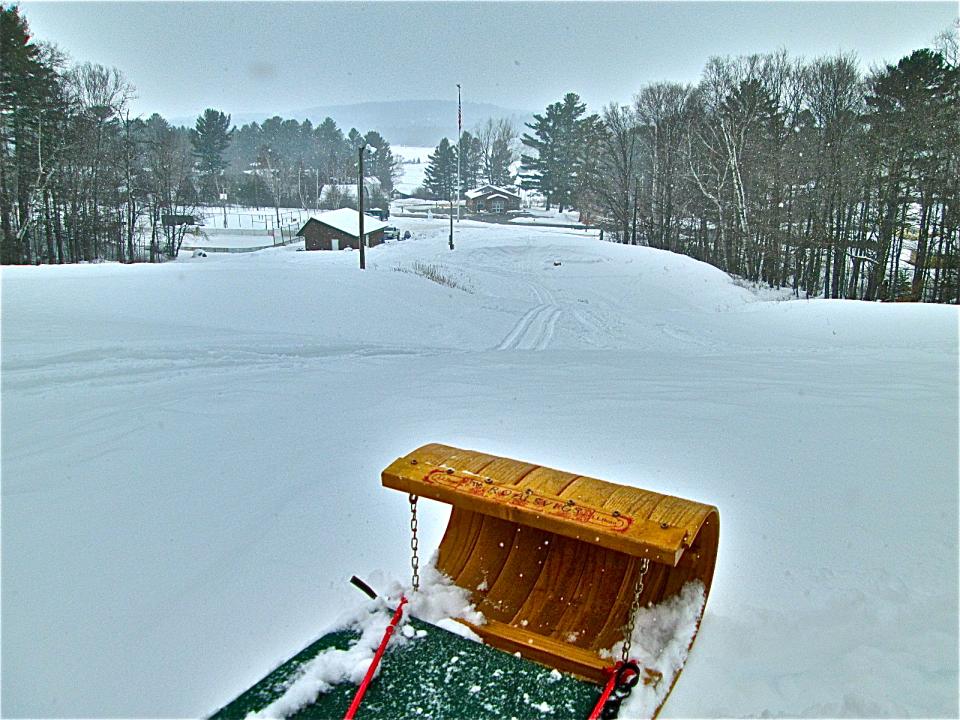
<point>244,229</point>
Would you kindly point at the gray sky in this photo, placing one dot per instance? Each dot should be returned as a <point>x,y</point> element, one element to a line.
<point>277,57</point>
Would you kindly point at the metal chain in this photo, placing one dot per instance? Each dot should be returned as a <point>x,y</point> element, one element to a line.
<point>634,609</point>
<point>414,543</point>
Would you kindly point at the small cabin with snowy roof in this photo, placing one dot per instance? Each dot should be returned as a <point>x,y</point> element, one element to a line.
<point>340,229</point>
<point>491,199</point>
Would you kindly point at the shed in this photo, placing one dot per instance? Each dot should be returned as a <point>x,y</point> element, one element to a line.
<point>491,198</point>
<point>339,229</point>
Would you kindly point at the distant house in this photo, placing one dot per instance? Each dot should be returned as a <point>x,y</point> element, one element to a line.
<point>339,229</point>
<point>492,199</point>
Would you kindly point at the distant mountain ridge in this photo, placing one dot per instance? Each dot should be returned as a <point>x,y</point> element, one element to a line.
<point>401,122</point>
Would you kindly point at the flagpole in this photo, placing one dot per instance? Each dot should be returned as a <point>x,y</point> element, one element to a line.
<point>459,149</point>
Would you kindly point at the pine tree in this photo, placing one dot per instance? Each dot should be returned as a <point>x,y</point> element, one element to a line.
<point>558,141</point>
<point>913,121</point>
<point>210,139</point>
<point>499,161</point>
<point>470,163</point>
<point>333,154</point>
<point>440,178</point>
<point>26,88</point>
<point>382,164</point>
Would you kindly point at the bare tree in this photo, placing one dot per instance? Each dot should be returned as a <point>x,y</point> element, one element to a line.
<point>662,113</point>
<point>947,43</point>
<point>498,139</point>
<point>100,95</point>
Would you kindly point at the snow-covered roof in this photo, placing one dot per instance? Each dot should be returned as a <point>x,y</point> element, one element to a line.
<point>347,220</point>
<point>486,190</point>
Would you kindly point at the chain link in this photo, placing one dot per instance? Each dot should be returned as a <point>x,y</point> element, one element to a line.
<point>634,609</point>
<point>414,544</point>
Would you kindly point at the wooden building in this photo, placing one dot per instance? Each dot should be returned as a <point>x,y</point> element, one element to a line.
<point>491,199</point>
<point>339,229</point>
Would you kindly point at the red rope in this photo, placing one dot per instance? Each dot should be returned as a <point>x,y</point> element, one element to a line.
<point>605,695</point>
<point>376,660</point>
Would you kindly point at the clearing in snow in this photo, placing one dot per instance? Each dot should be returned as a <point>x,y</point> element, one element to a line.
<point>191,454</point>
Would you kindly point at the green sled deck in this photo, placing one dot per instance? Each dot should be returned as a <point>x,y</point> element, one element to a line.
<point>435,674</point>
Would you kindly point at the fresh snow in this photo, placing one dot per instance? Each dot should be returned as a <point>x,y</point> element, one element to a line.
<point>438,601</point>
<point>660,639</point>
<point>191,459</point>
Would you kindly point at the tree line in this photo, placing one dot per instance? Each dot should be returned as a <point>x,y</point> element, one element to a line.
<point>83,180</point>
<point>808,175</point>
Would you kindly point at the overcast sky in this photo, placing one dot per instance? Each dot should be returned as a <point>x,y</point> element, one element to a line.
<point>276,57</point>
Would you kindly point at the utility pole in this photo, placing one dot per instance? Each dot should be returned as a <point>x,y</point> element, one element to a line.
<point>363,260</point>
<point>451,223</point>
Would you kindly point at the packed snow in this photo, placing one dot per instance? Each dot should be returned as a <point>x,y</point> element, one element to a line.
<point>191,459</point>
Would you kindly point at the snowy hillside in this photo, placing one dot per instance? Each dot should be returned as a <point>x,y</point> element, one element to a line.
<point>191,457</point>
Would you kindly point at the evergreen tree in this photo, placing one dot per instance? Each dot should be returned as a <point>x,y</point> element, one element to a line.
<point>914,121</point>
<point>471,162</point>
<point>498,164</point>
<point>558,141</point>
<point>440,178</point>
<point>27,87</point>
<point>210,139</point>
<point>333,153</point>
<point>382,164</point>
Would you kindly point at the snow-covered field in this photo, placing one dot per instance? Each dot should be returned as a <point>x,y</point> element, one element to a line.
<point>413,174</point>
<point>191,457</point>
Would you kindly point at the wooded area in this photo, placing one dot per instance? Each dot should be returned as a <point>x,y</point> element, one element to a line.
<point>797,174</point>
<point>81,180</point>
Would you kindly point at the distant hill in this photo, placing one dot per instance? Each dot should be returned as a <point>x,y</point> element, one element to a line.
<point>402,122</point>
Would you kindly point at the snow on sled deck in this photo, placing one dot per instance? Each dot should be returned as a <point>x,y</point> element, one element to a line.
<point>551,558</point>
<point>433,673</point>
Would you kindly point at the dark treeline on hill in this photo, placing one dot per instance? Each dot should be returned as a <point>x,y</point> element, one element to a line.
<point>804,174</point>
<point>798,174</point>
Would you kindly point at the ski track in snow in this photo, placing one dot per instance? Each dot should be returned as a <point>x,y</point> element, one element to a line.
<point>536,328</point>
